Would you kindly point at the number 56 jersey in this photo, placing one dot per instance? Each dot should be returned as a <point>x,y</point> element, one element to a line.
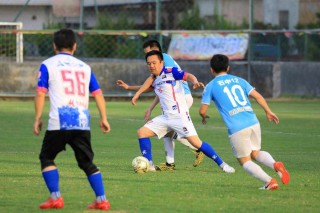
<point>68,82</point>
<point>230,94</point>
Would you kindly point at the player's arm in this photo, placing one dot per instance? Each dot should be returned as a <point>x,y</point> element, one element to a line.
<point>146,86</point>
<point>147,114</point>
<point>263,103</point>
<point>203,112</point>
<point>39,103</point>
<point>130,88</point>
<point>101,105</point>
<point>193,79</point>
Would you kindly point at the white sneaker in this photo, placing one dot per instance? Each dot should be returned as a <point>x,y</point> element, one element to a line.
<point>151,167</point>
<point>228,169</point>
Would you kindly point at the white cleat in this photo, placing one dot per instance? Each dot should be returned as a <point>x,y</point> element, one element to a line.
<point>151,167</point>
<point>228,169</point>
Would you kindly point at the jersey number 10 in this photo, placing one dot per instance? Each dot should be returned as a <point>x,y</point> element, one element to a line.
<point>233,96</point>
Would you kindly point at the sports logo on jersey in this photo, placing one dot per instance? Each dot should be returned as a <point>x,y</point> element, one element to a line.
<point>160,90</point>
<point>185,129</point>
<point>164,76</point>
<point>174,107</point>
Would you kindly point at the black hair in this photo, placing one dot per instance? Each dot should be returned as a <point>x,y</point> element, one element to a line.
<point>219,63</point>
<point>155,52</point>
<point>151,44</point>
<point>64,39</point>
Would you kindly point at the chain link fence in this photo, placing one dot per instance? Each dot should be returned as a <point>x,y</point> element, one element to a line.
<point>116,29</point>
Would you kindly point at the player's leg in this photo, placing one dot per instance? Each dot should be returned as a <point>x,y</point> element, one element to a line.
<point>158,126</point>
<point>241,147</point>
<point>265,157</point>
<point>210,152</point>
<point>83,152</point>
<point>52,144</point>
<point>199,155</point>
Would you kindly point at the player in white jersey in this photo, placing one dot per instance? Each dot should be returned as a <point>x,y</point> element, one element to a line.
<point>175,117</point>
<point>169,145</point>
<point>230,94</point>
<point>68,82</point>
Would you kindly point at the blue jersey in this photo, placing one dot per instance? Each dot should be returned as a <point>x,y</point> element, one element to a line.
<point>170,62</point>
<point>230,94</point>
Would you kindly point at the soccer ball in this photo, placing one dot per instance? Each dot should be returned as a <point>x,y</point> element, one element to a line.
<point>140,164</point>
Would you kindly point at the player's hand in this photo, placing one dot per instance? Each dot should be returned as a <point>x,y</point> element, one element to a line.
<point>272,117</point>
<point>135,99</point>
<point>37,127</point>
<point>147,115</point>
<point>204,119</point>
<point>197,85</point>
<point>105,126</point>
<point>122,84</point>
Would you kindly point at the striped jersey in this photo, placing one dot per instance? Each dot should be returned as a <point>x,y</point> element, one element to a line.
<point>169,89</point>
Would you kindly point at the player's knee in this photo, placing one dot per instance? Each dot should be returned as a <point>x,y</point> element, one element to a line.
<point>140,133</point>
<point>45,162</point>
<point>88,167</point>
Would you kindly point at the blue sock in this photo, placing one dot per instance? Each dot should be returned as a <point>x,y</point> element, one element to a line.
<point>209,152</point>
<point>52,181</point>
<point>145,148</point>
<point>97,186</point>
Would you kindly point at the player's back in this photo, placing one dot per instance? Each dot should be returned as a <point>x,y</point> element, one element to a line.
<point>230,94</point>
<point>68,89</point>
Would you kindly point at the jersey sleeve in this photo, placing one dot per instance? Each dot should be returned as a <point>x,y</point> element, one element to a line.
<point>246,86</point>
<point>94,87</point>
<point>169,61</point>
<point>43,79</point>
<point>206,95</point>
<point>178,74</point>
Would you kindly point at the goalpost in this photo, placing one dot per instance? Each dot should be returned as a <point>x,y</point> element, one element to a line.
<point>11,41</point>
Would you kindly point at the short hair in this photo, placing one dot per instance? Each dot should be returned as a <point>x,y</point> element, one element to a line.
<point>64,39</point>
<point>155,52</point>
<point>151,44</point>
<point>219,63</point>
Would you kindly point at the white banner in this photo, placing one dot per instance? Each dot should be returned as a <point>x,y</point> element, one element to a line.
<point>204,46</point>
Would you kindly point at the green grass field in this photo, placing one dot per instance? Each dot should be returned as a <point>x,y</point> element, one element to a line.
<point>295,141</point>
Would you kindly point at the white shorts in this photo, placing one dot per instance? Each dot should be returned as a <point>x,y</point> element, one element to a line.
<point>181,124</point>
<point>246,141</point>
<point>189,100</point>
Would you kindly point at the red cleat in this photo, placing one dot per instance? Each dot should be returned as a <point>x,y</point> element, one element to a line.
<point>52,204</point>
<point>103,205</point>
<point>283,173</point>
<point>272,185</point>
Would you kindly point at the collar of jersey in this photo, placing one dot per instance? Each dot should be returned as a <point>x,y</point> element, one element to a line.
<point>63,53</point>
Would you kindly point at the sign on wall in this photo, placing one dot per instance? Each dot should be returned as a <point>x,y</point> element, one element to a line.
<point>204,46</point>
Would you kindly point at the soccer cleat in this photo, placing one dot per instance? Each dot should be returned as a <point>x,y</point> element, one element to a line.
<point>52,204</point>
<point>199,158</point>
<point>151,167</point>
<point>103,205</point>
<point>228,169</point>
<point>272,185</point>
<point>166,167</point>
<point>282,172</point>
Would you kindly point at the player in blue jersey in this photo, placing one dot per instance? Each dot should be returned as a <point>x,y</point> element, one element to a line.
<point>68,82</point>
<point>230,95</point>
<point>169,139</point>
<point>167,84</point>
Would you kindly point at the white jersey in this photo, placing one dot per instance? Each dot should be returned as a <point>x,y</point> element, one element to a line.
<point>170,91</point>
<point>68,81</point>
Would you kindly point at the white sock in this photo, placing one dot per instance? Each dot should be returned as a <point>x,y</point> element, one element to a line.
<point>186,143</point>
<point>265,158</point>
<point>55,195</point>
<point>169,148</point>
<point>256,171</point>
